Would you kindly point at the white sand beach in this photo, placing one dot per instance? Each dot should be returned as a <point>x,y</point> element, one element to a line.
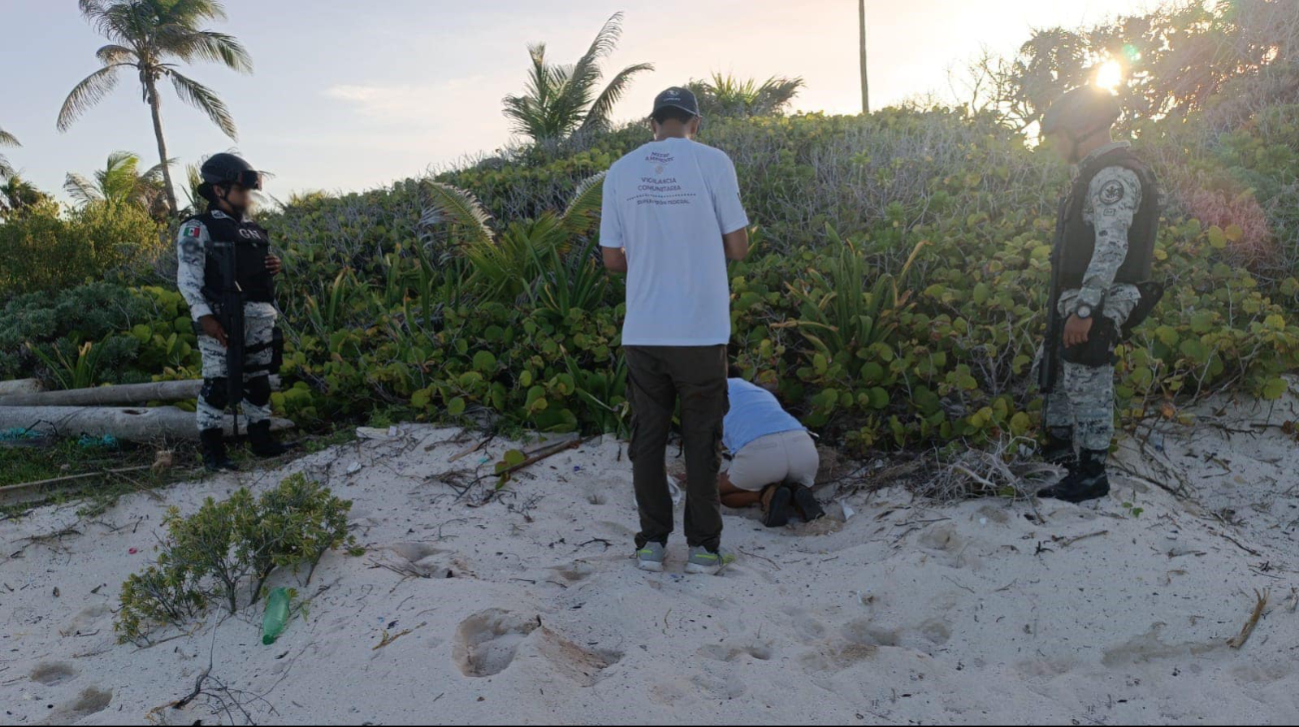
<point>528,609</point>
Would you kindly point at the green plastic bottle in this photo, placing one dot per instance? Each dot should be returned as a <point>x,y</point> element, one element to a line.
<point>277,616</point>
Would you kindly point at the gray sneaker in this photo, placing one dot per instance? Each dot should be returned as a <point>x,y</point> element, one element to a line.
<point>651,557</point>
<point>706,563</point>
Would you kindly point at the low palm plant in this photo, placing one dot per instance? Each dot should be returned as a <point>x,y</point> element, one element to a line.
<point>837,313</point>
<point>119,182</point>
<point>728,96</point>
<point>530,260</point>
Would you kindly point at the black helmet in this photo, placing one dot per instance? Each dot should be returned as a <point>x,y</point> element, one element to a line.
<point>226,169</point>
<point>1082,112</point>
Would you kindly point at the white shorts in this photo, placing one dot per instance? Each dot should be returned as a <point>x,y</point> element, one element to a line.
<point>782,457</point>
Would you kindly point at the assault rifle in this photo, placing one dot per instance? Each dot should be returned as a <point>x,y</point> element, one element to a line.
<point>230,313</point>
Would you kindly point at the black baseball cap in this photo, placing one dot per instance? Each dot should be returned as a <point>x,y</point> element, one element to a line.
<point>676,98</point>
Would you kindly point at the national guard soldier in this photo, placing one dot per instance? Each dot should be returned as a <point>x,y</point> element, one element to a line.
<point>227,274</point>
<point>1101,288</point>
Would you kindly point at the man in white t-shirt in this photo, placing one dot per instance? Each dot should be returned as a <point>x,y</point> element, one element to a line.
<point>672,218</point>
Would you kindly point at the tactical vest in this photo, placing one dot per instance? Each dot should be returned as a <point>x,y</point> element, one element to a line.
<point>1076,239</point>
<point>250,244</point>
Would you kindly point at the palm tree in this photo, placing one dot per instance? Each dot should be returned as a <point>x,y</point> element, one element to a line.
<point>6,139</point>
<point>561,100</point>
<point>119,182</point>
<point>728,96</point>
<point>865,78</point>
<point>18,195</point>
<point>152,37</point>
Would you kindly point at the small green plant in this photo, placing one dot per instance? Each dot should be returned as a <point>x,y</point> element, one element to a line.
<point>1133,511</point>
<point>230,546</point>
<point>81,373</point>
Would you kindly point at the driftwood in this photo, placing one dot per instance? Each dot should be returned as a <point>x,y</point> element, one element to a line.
<point>135,425</point>
<point>20,386</point>
<point>124,395</point>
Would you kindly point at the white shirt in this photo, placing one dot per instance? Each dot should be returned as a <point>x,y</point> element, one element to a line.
<point>667,205</point>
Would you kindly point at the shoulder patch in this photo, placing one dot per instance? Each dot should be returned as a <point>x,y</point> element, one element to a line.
<point>1112,192</point>
<point>193,230</point>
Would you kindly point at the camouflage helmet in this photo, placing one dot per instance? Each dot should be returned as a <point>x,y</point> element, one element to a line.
<point>1082,112</point>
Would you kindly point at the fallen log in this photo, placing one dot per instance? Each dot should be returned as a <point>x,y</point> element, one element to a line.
<point>124,395</point>
<point>20,386</point>
<point>134,425</point>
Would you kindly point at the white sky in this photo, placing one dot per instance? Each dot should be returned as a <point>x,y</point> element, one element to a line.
<point>350,95</point>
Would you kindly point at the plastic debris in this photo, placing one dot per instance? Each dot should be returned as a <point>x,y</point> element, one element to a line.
<point>107,441</point>
<point>277,616</point>
<point>17,434</point>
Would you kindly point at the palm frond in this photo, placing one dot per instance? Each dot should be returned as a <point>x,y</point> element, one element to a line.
<point>600,112</point>
<point>450,204</point>
<point>6,171</point>
<point>81,189</point>
<point>584,208</point>
<point>204,99</point>
<point>86,94</point>
<point>587,69</point>
<point>114,54</point>
<point>210,46</point>
<point>7,139</point>
<point>154,173</point>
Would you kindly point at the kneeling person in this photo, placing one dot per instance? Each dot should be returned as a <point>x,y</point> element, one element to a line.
<point>223,256</point>
<point>774,458</point>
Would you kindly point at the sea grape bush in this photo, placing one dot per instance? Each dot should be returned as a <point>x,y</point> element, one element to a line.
<point>895,292</point>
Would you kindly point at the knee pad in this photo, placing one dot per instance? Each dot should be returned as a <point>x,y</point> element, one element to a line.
<point>216,392</point>
<point>1099,349</point>
<point>258,391</point>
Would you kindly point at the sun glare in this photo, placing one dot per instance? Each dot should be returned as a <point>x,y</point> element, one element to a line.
<point>1109,76</point>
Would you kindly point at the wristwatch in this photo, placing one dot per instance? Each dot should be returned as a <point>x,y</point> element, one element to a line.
<point>1084,311</point>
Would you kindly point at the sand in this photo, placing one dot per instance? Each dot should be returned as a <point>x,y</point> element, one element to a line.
<point>528,610</point>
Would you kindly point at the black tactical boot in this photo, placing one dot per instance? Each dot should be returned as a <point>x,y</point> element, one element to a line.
<point>213,445</point>
<point>806,503</point>
<point>262,443</point>
<point>1058,449</point>
<point>1086,482</point>
<point>777,506</point>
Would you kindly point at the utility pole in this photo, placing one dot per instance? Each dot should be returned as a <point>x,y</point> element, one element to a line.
<point>865,83</point>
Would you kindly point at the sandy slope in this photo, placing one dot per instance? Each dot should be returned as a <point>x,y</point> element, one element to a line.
<point>531,611</point>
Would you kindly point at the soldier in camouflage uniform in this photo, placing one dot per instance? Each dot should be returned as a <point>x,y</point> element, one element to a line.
<point>228,182</point>
<point>1102,254</point>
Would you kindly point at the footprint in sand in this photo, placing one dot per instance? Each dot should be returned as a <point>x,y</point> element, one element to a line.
<point>576,572</point>
<point>423,560</point>
<point>487,642</point>
<point>90,701</point>
<point>53,673</point>
<point>585,668</point>
<point>728,653</point>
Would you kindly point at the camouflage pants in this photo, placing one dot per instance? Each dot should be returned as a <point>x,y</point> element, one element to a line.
<point>1083,400</point>
<point>256,401</point>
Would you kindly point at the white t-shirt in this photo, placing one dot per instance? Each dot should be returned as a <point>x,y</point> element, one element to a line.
<point>667,205</point>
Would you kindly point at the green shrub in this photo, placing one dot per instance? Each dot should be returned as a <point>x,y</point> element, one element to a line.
<point>137,335</point>
<point>229,546</point>
<point>46,250</point>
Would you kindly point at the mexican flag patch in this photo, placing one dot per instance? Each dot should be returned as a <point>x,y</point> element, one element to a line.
<point>192,231</point>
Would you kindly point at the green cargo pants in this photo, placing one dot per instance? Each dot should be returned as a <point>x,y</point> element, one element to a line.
<point>658,378</point>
